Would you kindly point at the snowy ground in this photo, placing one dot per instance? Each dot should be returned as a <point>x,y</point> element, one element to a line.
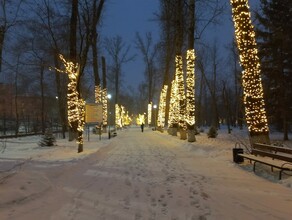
<point>137,175</point>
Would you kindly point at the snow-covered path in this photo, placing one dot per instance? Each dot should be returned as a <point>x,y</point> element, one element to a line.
<point>148,176</point>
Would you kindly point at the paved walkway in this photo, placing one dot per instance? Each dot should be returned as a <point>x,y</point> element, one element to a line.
<point>150,176</point>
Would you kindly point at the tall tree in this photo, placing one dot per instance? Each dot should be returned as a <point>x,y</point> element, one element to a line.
<point>275,44</point>
<point>251,78</point>
<point>190,75</point>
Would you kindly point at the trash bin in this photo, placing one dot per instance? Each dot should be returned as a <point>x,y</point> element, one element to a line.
<point>236,158</point>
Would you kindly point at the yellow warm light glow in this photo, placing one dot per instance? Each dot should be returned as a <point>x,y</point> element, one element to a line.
<point>173,105</point>
<point>251,79</point>
<point>122,116</point>
<point>140,119</point>
<point>104,102</point>
<point>118,116</point>
<point>98,94</point>
<point>190,90</point>
<point>162,106</point>
<point>180,91</point>
<point>76,105</point>
<point>149,113</point>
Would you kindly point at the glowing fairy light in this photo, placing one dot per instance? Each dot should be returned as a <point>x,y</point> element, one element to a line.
<point>104,101</point>
<point>98,94</point>
<point>173,105</point>
<point>140,119</point>
<point>162,106</point>
<point>190,90</point>
<point>118,116</point>
<point>76,106</point>
<point>251,79</point>
<point>149,113</point>
<point>180,91</point>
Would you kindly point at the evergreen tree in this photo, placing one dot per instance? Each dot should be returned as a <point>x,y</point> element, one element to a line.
<point>212,133</point>
<point>48,139</point>
<point>275,49</point>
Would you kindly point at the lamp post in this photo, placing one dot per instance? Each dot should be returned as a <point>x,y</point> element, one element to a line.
<point>109,96</point>
<point>154,107</point>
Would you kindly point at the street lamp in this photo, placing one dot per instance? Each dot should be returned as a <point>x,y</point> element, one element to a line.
<point>154,107</point>
<point>109,96</point>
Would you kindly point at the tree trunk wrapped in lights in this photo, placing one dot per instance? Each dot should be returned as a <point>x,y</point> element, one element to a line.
<point>98,94</point>
<point>173,108</point>
<point>190,75</point>
<point>118,116</point>
<point>251,79</point>
<point>149,113</point>
<point>181,97</point>
<point>161,110</point>
<point>190,95</point>
<point>76,106</point>
<point>104,107</point>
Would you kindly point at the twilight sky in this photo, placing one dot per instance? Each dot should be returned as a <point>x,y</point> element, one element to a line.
<point>125,18</point>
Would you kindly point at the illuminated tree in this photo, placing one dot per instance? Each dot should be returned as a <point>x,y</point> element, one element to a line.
<point>104,101</point>
<point>118,116</point>
<point>149,113</point>
<point>161,110</point>
<point>76,105</point>
<point>104,97</point>
<point>173,108</point>
<point>181,96</point>
<point>190,95</point>
<point>190,74</point>
<point>251,79</point>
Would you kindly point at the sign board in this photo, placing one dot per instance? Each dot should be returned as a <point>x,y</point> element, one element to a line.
<point>93,113</point>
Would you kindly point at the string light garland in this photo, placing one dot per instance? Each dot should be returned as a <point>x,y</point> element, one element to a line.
<point>118,116</point>
<point>76,105</point>
<point>122,116</point>
<point>162,106</point>
<point>104,102</point>
<point>140,119</point>
<point>190,90</point>
<point>251,79</point>
<point>173,105</point>
<point>180,91</point>
<point>149,113</point>
<point>98,94</point>
<point>127,119</point>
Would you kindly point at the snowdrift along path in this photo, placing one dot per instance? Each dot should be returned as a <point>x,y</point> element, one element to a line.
<point>145,175</point>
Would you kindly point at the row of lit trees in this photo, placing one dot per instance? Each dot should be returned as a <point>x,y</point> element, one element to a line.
<point>182,97</point>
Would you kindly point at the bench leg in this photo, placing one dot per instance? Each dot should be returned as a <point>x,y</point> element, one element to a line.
<point>280,174</point>
<point>254,166</point>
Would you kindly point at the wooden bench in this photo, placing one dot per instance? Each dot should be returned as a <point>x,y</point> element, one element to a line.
<point>274,156</point>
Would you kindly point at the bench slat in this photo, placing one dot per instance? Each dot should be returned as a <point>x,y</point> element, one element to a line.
<point>283,166</point>
<point>287,157</point>
<point>272,148</point>
<point>275,163</point>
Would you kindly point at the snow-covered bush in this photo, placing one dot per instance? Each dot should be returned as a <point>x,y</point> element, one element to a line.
<point>48,139</point>
<point>212,132</point>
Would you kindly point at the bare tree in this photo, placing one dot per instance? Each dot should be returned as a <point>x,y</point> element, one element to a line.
<point>119,54</point>
<point>209,65</point>
<point>9,11</point>
<point>149,52</point>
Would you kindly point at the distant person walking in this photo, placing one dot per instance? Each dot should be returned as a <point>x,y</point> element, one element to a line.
<point>142,127</point>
